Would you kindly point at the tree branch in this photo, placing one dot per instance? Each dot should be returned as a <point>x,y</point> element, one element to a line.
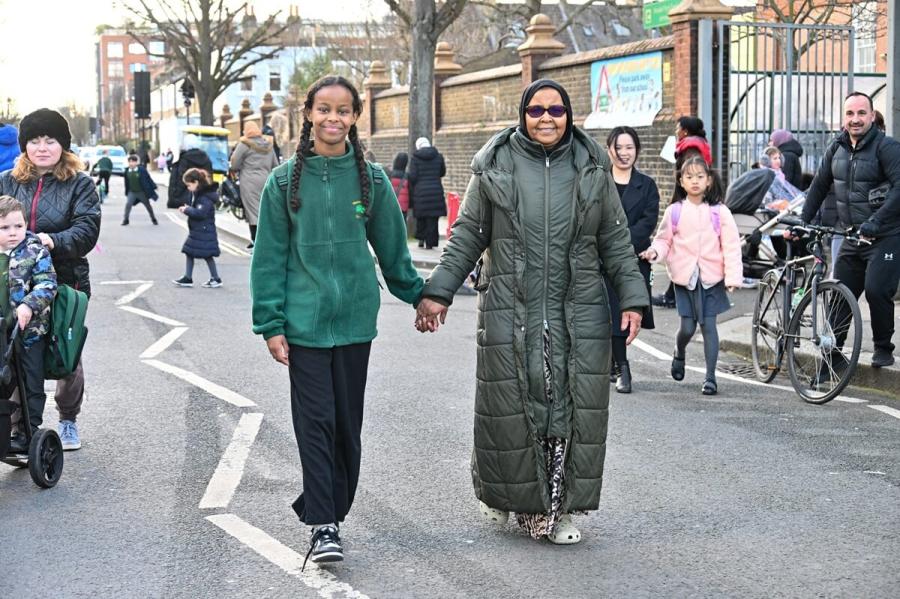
<point>398,10</point>
<point>575,14</point>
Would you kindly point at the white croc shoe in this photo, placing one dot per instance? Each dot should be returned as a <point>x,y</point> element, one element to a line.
<point>565,532</point>
<point>498,517</point>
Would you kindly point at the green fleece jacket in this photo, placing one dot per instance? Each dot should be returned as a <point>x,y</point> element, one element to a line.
<point>312,277</point>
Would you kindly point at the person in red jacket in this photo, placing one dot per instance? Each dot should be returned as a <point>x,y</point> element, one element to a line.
<point>400,182</point>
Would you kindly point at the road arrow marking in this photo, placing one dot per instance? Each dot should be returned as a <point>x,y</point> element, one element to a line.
<point>228,474</point>
<point>163,343</point>
<point>152,316</point>
<point>210,387</point>
<point>324,582</point>
<point>128,298</point>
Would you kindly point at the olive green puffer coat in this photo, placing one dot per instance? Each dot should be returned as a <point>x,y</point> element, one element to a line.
<point>540,225</point>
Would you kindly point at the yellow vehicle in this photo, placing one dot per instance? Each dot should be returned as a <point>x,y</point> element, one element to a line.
<point>213,141</point>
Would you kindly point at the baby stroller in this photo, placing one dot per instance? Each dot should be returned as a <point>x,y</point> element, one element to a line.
<point>762,248</point>
<point>230,196</point>
<point>44,457</point>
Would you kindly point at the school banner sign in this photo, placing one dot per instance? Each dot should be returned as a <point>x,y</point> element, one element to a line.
<point>625,91</point>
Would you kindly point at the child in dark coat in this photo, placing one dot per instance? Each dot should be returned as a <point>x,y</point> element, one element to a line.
<point>202,241</point>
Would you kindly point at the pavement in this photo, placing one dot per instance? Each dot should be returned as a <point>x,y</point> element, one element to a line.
<point>734,325</point>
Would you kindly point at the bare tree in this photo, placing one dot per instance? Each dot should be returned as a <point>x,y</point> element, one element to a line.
<point>205,40</point>
<point>426,23</point>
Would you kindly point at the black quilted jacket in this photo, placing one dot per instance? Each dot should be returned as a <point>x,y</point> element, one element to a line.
<point>69,211</point>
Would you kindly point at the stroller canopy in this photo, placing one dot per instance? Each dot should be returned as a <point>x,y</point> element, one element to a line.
<point>745,195</point>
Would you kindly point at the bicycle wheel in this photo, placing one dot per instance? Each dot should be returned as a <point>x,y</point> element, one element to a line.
<point>821,366</point>
<point>768,330</point>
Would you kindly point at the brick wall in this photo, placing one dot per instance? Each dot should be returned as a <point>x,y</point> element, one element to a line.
<point>477,105</point>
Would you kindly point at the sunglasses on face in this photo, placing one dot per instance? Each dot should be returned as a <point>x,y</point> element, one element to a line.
<point>536,112</point>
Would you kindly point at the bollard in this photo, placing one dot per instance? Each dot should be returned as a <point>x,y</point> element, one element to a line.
<point>453,202</point>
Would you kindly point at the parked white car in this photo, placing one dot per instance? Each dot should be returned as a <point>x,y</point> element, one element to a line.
<point>116,153</point>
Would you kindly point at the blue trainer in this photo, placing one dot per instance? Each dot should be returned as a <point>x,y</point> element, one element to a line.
<point>68,434</point>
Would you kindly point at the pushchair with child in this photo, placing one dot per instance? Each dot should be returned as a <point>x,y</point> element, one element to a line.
<point>757,222</point>
<point>44,455</point>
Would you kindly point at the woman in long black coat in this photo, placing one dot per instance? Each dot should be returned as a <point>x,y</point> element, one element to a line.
<point>427,192</point>
<point>640,200</point>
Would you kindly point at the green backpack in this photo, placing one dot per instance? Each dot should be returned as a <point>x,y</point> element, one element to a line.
<point>67,333</point>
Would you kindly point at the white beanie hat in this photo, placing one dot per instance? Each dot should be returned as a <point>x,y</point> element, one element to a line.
<point>422,142</point>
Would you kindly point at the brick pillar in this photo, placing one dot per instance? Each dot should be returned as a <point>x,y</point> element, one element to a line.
<point>684,19</point>
<point>376,82</point>
<point>539,46</point>
<point>266,108</point>
<point>225,116</point>
<point>444,68</point>
<point>244,112</point>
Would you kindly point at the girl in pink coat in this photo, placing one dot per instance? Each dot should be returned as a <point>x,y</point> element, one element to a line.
<point>699,241</point>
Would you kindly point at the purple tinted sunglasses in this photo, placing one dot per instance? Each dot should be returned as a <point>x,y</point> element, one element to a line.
<point>536,112</point>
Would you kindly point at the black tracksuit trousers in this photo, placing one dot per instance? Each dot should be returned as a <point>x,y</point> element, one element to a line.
<point>327,389</point>
<point>874,269</point>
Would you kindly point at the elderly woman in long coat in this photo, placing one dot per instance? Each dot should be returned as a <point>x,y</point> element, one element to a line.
<point>541,213</point>
<point>253,159</point>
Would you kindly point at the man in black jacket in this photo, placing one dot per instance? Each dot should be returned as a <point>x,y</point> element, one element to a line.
<point>860,160</point>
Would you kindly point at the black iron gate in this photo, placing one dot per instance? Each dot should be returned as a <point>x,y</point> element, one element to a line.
<point>775,76</point>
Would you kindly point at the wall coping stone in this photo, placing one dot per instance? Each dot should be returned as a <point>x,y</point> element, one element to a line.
<point>495,73</point>
<point>666,42</point>
<point>393,91</point>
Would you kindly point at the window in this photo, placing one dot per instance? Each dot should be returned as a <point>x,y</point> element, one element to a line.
<point>865,19</point>
<point>114,50</point>
<point>115,69</point>
<point>275,78</point>
<point>136,48</point>
<point>247,83</point>
<point>588,30</point>
<point>157,47</point>
<point>137,67</point>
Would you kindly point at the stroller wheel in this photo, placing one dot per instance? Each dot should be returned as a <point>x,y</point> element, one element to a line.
<point>45,458</point>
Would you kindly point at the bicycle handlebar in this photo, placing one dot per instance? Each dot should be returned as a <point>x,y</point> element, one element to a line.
<point>795,223</point>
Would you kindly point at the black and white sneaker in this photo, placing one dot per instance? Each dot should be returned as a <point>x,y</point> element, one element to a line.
<point>324,546</point>
<point>184,282</point>
<point>213,283</point>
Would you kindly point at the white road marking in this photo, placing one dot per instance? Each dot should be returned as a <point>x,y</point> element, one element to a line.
<point>224,245</point>
<point>124,282</point>
<point>889,411</point>
<point>210,387</point>
<point>128,298</point>
<point>181,223</point>
<point>152,316</point>
<point>163,343</point>
<point>228,474</point>
<point>649,349</point>
<point>324,582</point>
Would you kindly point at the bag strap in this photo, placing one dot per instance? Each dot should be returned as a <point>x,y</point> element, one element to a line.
<point>715,217</point>
<point>675,217</point>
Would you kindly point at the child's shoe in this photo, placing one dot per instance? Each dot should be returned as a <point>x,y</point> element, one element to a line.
<point>184,282</point>
<point>68,434</point>
<point>709,388</point>
<point>213,283</point>
<point>677,368</point>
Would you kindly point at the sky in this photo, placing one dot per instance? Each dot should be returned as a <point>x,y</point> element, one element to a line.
<point>47,54</point>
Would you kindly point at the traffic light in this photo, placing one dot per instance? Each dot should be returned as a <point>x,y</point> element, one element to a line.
<point>187,89</point>
<point>142,95</point>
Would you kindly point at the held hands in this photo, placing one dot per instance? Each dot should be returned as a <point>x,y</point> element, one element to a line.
<point>649,255</point>
<point>430,315</point>
<point>278,347</point>
<point>23,315</point>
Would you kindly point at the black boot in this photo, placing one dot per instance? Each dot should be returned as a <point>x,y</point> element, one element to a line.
<point>623,384</point>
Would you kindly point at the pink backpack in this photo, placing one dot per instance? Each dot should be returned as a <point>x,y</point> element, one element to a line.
<point>715,215</point>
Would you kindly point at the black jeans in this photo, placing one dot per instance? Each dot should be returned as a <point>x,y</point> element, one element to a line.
<point>32,362</point>
<point>874,269</point>
<point>327,389</point>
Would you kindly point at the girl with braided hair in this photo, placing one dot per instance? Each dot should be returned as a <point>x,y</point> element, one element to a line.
<point>315,295</point>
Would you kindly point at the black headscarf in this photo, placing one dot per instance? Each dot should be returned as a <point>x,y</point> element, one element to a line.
<point>528,94</point>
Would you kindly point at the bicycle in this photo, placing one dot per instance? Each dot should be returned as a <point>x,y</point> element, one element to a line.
<point>823,336</point>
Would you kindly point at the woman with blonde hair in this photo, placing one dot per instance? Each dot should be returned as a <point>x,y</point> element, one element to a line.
<point>64,212</point>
